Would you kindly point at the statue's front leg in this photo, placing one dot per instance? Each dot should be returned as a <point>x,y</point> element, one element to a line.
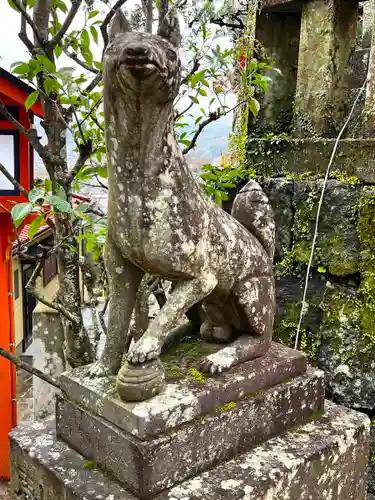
<point>124,279</point>
<point>185,295</point>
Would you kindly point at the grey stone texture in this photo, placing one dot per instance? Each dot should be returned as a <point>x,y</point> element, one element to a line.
<point>160,222</point>
<point>148,467</point>
<point>325,458</point>
<point>184,400</point>
<point>328,31</point>
<point>286,157</point>
<point>48,341</point>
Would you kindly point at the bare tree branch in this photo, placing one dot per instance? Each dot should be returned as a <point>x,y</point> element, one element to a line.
<point>29,21</point>
<point>194,69</point>
<point>69,111</point>
<point>102,313</point>
<point>22,35</point>
<point>66,24</point>
<point>31,134</point>
<point>11,179</point>
<point>28,368</point>
<point>31,288</point>
<point>149,17</point>
<point>212,117</point>
<point>79,61</point>
<point>163,9</point>
<point>85,151</point>
<point>108,18</point>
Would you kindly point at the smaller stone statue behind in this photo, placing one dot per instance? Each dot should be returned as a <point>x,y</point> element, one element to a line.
<point>160,222</point>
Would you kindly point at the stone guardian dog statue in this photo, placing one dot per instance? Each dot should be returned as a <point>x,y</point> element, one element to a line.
<point>160,222</point>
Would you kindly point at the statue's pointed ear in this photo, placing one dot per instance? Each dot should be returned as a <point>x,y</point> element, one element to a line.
<point>119,24</point>
<point>169,28</point>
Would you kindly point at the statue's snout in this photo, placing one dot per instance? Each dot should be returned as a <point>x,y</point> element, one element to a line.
<point>138,59</point>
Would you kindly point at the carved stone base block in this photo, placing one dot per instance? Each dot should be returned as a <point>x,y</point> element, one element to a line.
<point>182,400</point>
<point>149,467</point>
<point>323,459</point>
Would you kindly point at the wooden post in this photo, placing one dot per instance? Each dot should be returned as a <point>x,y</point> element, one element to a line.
<point>8,407</point>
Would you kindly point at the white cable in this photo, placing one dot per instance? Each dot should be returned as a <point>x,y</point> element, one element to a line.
<point>304,305</point>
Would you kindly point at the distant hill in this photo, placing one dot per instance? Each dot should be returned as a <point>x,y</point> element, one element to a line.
<point>212,143</point>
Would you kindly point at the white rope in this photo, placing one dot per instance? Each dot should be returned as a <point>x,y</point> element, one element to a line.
<point>304,306</point>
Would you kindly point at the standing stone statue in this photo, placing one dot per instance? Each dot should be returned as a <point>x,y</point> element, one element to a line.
<point>160,222</point>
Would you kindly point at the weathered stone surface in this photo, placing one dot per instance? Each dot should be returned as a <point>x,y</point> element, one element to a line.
<point>371,465</point>
<point>148,467</point>
<point>337,247</point>
<point>325,458</point>
<point>161,223</point>
<point>280,192</point>
<point>328,31</point>
<point>48,341</point>
<point>42,467</point>
<point>289,300</point>
<point>278,34</point>
<point>270,158</point>
<point>346,353</point>
<point>184,400</point>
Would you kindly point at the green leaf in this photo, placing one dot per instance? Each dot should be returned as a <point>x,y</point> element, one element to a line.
<point>93,13</point>
<point>87,55</point>
<point>98,65</point>
<point>254,106</point>
<point>20,211</point>
<point>82,207</point>
<point>47,64</point>
<point>69,100</point>
<point>58,51</point>
<point>94,33</point>
<point>51,85</point>
<point>102,172</point>
<point>203,92</point>
<point>59,204</point>
<point>35,195</point>
<point>30,101</point>
<point>21,69</point>
<point>48,185</point>
<point>13,6</point>
<point>35,226</point>
<point>85,38</point>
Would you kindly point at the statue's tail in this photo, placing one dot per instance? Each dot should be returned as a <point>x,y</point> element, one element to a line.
<point>252,209</point>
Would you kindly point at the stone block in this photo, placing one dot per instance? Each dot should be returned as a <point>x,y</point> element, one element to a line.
<point>184,400</point>
<point>346,352</point>
<point>271,158</point>
<point>323,459</point>
<point>328,32</point>
<point>337,248</point>
<point>148,467</point>
<point>48,356</point>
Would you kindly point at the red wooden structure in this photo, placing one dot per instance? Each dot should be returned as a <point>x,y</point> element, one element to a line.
<point>17,156</point>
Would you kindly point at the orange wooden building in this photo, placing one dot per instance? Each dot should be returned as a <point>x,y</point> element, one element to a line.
<point>17,156</point>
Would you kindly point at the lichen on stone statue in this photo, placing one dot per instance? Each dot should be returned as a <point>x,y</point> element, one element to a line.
<point>160,222</point>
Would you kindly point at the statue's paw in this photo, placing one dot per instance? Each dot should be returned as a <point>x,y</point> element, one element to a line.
<point>146,349</point>
<point>99,369</point>
<point>219,362</point>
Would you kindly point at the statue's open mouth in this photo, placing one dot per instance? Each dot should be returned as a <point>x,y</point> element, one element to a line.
<point>141,67</point>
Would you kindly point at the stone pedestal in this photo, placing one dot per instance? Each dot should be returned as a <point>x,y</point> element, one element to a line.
<point>48,339</point>
<point>253,433</point>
